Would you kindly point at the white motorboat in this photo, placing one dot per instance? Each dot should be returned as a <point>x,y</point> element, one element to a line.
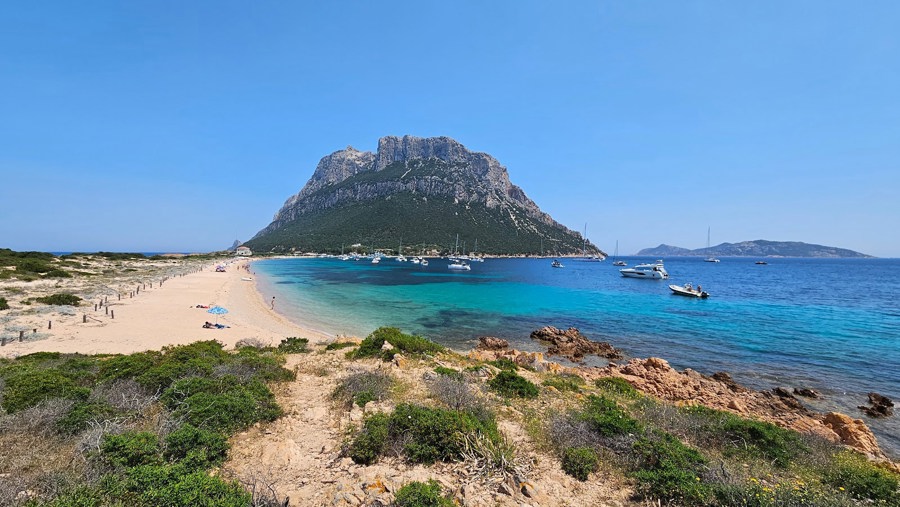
<point>376,260</point>
<point>557,264</point>
<point>655,271</point>
<point>424,262</point>
<point>459,265</point>
<point>689,291</point>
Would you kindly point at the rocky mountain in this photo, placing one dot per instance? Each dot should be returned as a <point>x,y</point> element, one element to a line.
<point>422,192</point>
<point>757,248</point>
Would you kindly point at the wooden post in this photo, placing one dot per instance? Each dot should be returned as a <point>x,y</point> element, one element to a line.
<point>2,341</point>
<point>84,319</point>
<point>107,309</point>
<point>120,296</point>
<point>112,314</point>
<point>21,336</point>
<point>35,331</point>
<point>95,308</point>
<point>50,324</point>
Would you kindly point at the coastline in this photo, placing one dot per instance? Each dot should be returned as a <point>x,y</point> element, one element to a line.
<point>163,315</point>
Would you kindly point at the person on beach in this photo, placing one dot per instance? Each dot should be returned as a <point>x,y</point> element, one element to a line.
<point>273,302</point>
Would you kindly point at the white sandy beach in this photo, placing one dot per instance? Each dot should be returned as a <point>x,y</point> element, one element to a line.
<point>168,315</point>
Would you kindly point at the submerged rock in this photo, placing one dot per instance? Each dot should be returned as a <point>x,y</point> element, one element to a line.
<point>881,406</point>
<point>806,392</point>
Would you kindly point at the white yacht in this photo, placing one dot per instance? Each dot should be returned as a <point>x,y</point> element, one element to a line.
<point>459,265</point>
<point>652,271</point>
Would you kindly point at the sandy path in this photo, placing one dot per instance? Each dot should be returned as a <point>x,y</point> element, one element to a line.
<point>167,315</point>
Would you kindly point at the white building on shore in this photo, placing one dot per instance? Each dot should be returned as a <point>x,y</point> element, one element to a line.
<point>243,251</point>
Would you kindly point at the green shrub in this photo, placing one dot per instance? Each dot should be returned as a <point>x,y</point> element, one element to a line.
<point>261,364</point>
<point>200,449</point>
<point>421,494</point>
<point>405,343</point>
<point>580,462</point>
<point>225,404</point>
<point>426,434</point>
<point>618,386</point>
<point>450,372</point>
<point>792,494</point>
<point>177,486</point>
<point>82,413</point>
<point>339,345</point>
<point>60,299</point>
<point>131,449</point>
<point>504,364</point>
<point>370,442</point>
<point>27,388</point>
<point>777,445</point>
<point>4,305</point>
<point>294,345</point>
<point>130,366</point>
<point>510,384</point>
<point>565,383</point>
<point>667,469</point>
<point>606,418</point>
<point>863,479</point>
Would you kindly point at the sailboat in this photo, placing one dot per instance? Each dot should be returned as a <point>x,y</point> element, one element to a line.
<point>711,258</point>
<point>616,255</point>
<point>584,255</point>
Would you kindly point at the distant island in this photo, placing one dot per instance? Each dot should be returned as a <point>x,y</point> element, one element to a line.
<point>757,248</point>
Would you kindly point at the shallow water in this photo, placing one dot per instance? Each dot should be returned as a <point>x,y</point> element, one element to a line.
<point>828,324</point>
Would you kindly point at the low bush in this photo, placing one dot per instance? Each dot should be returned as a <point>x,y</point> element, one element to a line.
<point>224,404</point>
<point>294,345</point>
<point>82,413</point>
<point>863,479</point>
<point>200,449</point>
<point>339,345</point>
<point>422,434</point>
<point>617,386</point>
<point>362,387</point>
<point>131,449</point>
<point>510,384</point>
<point>666,469</point>
<point>4,305</point>
<point>422,494</point>
<point>371,440</point>
<point>443,370</point>
<point>606,418</point>
<point>454,391</point>
<point>26,388</point>
<point>130,366</point>
<point>580,462</point>
<point>565,383</point>
<point>401,342</point>
<point>504,364</point>
<point>60,299</point>
<point>178,486</point>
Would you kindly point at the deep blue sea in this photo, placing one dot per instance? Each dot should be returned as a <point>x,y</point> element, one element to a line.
<point>832,325</point>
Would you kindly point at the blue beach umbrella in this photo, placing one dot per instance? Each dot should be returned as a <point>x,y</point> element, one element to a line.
<point>217,310</point>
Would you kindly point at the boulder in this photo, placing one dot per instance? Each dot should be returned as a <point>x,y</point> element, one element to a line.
<point>492,343</point>
<point>852,432</point>
<point>806,392</point>
<point>573,345</point>
<point>881,406</point>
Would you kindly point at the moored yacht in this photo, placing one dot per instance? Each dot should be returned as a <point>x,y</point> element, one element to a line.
<point>459,265</point>
<point>651,271</point>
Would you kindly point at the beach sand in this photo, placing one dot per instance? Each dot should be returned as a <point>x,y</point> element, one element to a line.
<point>166,315</point>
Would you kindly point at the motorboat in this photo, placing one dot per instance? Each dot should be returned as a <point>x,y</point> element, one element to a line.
<point>557,264</point>
<point>689,291</point>
<point>620,263</point>
<point>376,260</point>
<point>761,262</point>
<point>654,271</point>
<point>459,265</point>
<point>424,262</point>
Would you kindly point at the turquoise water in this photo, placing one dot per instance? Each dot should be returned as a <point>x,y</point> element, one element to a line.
<point>829,324</point>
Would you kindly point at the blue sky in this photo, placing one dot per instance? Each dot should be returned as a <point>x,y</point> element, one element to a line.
<point>182,126</point>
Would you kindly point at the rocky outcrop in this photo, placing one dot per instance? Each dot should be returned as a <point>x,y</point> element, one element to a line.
<point>492,343</point>
<point>879,406</point>
<point>654,376</point>
<point>573,345</point>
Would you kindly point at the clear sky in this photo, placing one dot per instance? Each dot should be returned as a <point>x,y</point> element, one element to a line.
<point>182,126</point>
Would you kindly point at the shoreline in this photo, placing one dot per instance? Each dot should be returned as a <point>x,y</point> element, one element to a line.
<point>163,315</point>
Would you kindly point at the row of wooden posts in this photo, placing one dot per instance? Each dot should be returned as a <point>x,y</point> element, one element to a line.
<point>103,303</point>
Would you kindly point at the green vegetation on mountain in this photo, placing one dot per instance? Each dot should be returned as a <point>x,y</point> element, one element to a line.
<point>422,196</point>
